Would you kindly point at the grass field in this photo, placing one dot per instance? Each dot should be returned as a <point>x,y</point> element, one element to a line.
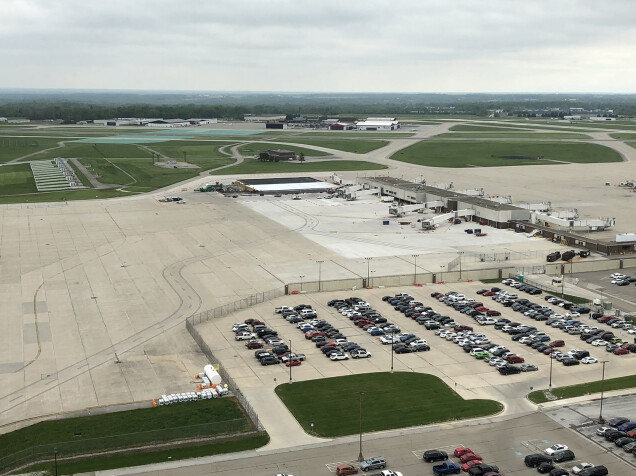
<point>194,150</point>
<point>623,136</point>
<point>76,436</point>
<point>365,134</point>
<point>508,134</point>
<point>254,148</point>
<point>397,400</point>
<point>485,128</point>
<point>16,179</point>
<point>101,463</point>
<point>572,391</point>
<point>356,146</point>
<point>489,154</point>
<point>254,166</point>
<point>14,147</point>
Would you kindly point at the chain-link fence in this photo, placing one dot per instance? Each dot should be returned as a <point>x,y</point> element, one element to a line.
<point>205,348</point>
<point>124,442</point>
<point>229,308</point>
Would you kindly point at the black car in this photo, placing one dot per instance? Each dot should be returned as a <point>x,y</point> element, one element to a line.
<point>534,460</point>
<point>559,472</point>
<point>434,455</point>
<point>401,349</point>
<point>595,471</point>
<point>509,370</point>
<point>562,456</point>
<point>545,467</point>
<point>421,348</point>
<point>614,435</point>
<point>269,360</point>
<point>617,421</point>
<point>623,440</point>
<point>482,469</point>
<point>570,361</point>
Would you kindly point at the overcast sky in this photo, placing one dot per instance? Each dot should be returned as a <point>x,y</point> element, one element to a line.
<point>320,45</point>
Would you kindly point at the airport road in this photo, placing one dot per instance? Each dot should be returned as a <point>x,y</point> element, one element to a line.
<point>503,443</point>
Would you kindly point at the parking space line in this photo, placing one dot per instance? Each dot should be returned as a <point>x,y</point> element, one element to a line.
<point>419,454</point>
<point>331,467</point>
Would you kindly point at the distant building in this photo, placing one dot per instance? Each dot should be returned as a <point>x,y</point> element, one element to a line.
<point>377,125</point>
<point>600,118</point>
<point>276,125</point>
<point>340,126</point>
<point>18,120</point>
<point>272,118</point>
<point>572,118</point>
<point>167,123</point>
<point>3,119</point>
<point>202,122</point>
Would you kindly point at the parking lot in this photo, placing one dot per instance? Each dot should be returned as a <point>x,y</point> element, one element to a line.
<point>504,443</point>
<point>622,297</point>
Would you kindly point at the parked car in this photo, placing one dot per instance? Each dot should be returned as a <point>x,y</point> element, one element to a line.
<point>534,460</point>
<point>434,455</point>
<point>377,462</point>
<point>595,471</point>
<point>580,467</point>
<point>562,456</point>
<point>359,354</point>
<point>345,469</point>
<point>554,449</point>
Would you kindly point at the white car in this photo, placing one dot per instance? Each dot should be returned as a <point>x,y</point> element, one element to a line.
<point>487,322</point>
<point>338,356</point>
<point>600,431</point>
<point>589,360</point>
<point>239,326</point>
<point>631,331</point>
<point>418,342</point>
<point>555,449</point>
<point>280,310</point>
<point>496,361</point>
<point>244,336</point>
<point>599,343</point>
<point>476,350</point>
<point>580,467</point>
<point>388,339</point>
<point>388,472</point>
<point>572,314</point>
<point>617,275</point>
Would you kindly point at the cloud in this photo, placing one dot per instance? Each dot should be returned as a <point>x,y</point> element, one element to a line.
<point>407,45</point>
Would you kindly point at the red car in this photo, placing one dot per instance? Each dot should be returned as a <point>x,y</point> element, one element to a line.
<point>481,309</point>
<point>489,293</point>
<point>257,323</point>
<point>292,363</point>
<point>254,345</point>
<point>620,351</point>
<point>515,359</point>
<point>557,343</point>
<point>471,464</point>
<point>346,469</point>
<point>493,313</point>
<point>312,334</point>
<point>462,450</point>
<point>548,351</point>
<point>469,457</point>
<point>364,323</point>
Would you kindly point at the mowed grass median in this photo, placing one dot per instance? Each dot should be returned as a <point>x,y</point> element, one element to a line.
<point>390,401</point>
<point>562,393</point>
<point>456,154</point>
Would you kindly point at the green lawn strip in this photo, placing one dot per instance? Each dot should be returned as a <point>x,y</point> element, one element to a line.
<point>82,178</point>
<point>106,172</point>
<point>571,391</point>
<point>133,427</point>
<point>192,149</point>
<point>397,400</point>
<point>62,196</point>
<point>356,146</point>
<point>568,297</point>
<point>485,128</point>
<point>254,148</point>
<point>456,154</point>
<point>623,136</point>
<point>16,179</point>
<point>365,134</point>
<point>83,150</point>
<point>14,147</point>
<point>254,166</point>
<point>100,463</point>
<point>512,135</point>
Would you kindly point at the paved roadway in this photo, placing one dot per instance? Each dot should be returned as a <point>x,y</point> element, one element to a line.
<point>502,441</point>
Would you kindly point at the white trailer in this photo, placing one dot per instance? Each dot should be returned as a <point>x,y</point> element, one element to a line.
<point>431,223</point>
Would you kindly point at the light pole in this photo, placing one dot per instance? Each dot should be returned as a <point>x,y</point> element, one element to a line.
<point>600,415</point>
<point>360,457</point>
<point>368,264</point>
<point>290,362</point>
<point>372,275</point>
<point>460,253</point>
<point>441,269</point>
<point>415,269</point>
<point>55,458</point>
<point>550,384</point>
<point>319,274</point>
<point>392,344</point>
<point>301,282</point>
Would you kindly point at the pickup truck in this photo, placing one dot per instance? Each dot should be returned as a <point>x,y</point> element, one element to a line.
<point>446,468</point>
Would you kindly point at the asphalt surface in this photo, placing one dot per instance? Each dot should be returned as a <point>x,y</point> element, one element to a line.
<point>622,297</point>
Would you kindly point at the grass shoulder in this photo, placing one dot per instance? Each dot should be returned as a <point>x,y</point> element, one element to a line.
<point>390,400</point>
<point>456,154</point>
<point>253,166</point>
<point>571,391</point>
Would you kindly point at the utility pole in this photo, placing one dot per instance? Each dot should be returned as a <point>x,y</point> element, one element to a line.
<point>301,282</point>
<point>360,457</point>
<point>372,275</point>
<point>415,269</point>
<point>368,264</point>
<point>460,253</point>
<point>290,362</point>
<point>441,269</point>
<point>600,415</point>
<point>319,274</point>
<point>550,384</point>
<point>55,457</point>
